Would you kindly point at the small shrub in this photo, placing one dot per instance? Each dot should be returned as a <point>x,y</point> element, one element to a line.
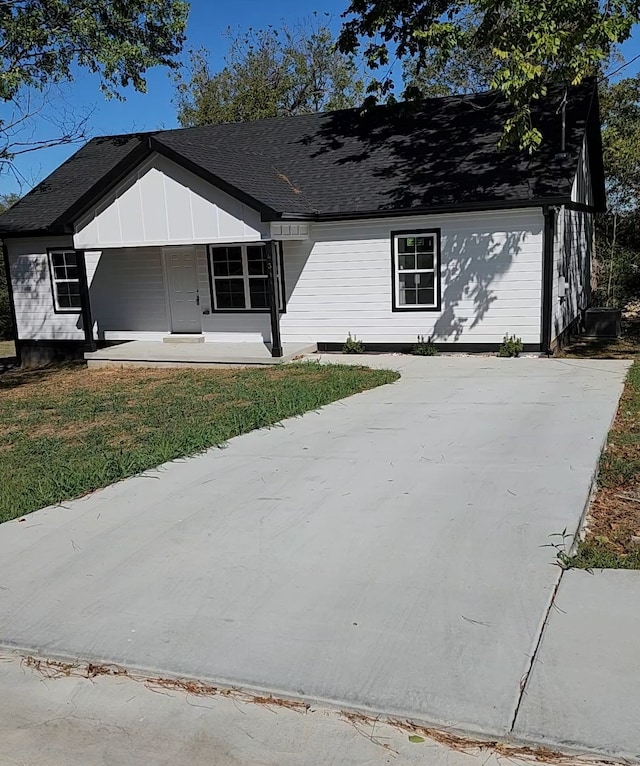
<point>353,346</point>
<point>424,347</point>
<point>510,346</point>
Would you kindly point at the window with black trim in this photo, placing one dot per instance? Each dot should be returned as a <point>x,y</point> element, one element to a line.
<point>416,265</point>
<point>239,278</point>
<point>65,280</point>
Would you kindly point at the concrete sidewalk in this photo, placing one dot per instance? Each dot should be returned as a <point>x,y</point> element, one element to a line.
<point>584,689</point>
<point>105,721</point>
<point>384,553</point>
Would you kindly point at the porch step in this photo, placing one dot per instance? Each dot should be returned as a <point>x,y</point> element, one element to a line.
<point>178,338</point>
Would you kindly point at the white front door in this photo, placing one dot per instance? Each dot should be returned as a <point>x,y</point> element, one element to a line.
<point>182,277</point>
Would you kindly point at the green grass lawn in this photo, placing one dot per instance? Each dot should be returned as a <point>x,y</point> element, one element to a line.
<point>613,531</point>
<point>67,431</point>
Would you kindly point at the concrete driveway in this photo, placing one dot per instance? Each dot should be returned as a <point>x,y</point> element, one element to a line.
<point>385,553</point>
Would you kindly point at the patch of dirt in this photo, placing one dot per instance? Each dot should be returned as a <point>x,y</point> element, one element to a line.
<point>54,381</point>
<point>75,429</point>
<point>614,519</point>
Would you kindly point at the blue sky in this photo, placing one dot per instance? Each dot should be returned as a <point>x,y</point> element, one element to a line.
<point>208,21</point>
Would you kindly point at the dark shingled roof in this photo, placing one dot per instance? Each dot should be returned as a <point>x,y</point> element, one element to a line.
<point>440,153</point>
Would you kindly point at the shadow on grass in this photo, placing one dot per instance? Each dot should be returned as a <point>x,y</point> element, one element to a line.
<point>12,376</point>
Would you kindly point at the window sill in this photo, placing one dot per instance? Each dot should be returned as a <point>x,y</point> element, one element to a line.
<point>401,309</point>
<point>242,311</point>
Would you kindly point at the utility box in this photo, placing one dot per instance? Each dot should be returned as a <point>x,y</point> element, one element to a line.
<point>602,322</point>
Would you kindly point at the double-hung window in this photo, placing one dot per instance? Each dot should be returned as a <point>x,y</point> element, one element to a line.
<point>239,278</point>
<point>416,267</point>
<point>65,280</point>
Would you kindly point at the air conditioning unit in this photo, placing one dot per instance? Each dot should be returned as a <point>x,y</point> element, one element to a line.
<point>602,322</point>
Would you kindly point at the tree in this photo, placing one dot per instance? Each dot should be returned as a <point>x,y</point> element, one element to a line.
<point>43,41</point>
<point>528,44</point>
<point>6,325</point>
<point>468,69</point>
<point>617,269</point>
<point>268,73</point>
<point>620,114</point>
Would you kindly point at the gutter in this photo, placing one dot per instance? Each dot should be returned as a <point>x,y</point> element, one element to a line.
<point>468,207</point>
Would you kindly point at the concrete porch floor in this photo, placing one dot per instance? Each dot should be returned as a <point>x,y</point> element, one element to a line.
<point>139,353</point>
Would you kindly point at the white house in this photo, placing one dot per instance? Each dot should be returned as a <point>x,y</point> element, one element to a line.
<point>402,221</point>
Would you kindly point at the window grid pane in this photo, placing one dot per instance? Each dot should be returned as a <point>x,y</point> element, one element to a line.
<point>230,293</point>
<point>416,265</point>
<point>227,261</point>
<point>239,277</point>
<point>66,279</point>
<point>259,293</point>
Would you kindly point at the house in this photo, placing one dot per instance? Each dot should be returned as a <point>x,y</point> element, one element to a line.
<point>405,220</point>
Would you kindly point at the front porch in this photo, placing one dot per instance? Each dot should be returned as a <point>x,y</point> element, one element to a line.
<point>140,353</point>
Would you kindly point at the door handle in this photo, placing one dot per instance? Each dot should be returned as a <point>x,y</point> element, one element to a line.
<point>197,297</point>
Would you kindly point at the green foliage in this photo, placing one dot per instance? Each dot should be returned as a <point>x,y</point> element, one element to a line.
<point>42,42</point>
<point>510,346</point>
<point>468,69</point>
<point>64,433</point>
<point>524,44</point>
<point>353,346</point>
<point>424,347</point>
<point>596,554</point>
<point>616,272</point>
<point>620,114</point>
<point>269,73</point>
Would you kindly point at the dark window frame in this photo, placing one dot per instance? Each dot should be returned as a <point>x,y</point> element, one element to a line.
<point>51,251</point>
<point>436,233</point>
<point>245,276</point>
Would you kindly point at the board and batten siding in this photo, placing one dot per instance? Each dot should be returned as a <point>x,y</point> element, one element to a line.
<point>491,265</point>
<point>573,250</point>
<point>161,203</point>
<point>30,274</point>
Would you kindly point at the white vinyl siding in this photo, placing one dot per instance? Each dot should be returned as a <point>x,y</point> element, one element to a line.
<point>573,246</point>
<point>30,272</point>
<point>127,293</point>
<point>339,281</point>
<point>491,271</point>
<point>571,287</point>
<point>161,203</point>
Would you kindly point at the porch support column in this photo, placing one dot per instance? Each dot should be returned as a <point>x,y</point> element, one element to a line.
<point>272,270</point>
<point>87,319</point>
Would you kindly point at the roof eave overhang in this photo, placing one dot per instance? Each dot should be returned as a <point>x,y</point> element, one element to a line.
<point>465,207</point>
<point>65,222</point>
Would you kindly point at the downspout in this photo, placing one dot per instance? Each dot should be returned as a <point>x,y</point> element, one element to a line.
<point>547,278</point>
<point>12,304</point>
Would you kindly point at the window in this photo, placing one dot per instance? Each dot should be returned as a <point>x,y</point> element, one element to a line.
<point>416,270</point>
<point>239,278</point>
<point>66,280</point>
